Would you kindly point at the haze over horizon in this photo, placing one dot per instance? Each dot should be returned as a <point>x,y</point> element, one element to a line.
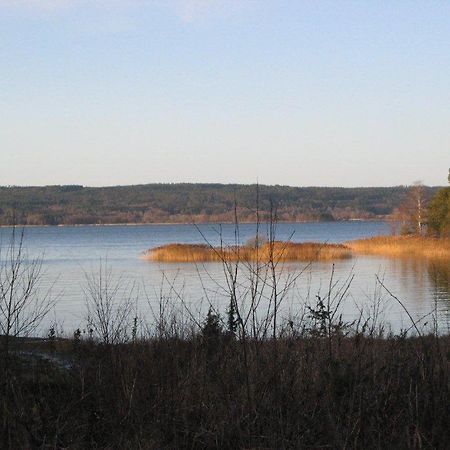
<point>209,183</point>
<point>308,93</point>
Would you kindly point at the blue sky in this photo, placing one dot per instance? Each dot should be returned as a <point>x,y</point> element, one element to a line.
<point>325,93</point>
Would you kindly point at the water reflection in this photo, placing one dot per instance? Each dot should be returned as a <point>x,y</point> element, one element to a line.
<point>439,274</point>
<point>422,285</point>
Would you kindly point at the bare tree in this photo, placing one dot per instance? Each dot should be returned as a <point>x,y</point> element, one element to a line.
<point>23,305</point>
<point>412,210</point>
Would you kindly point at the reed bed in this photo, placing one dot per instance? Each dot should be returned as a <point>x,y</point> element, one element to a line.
<point>417,246</point>
<point>280,251</point>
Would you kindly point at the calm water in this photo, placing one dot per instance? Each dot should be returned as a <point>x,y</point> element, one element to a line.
<point>72,252</point>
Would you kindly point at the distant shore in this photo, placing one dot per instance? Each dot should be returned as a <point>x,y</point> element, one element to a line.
<point>136,224</point>
<point>200,203</point>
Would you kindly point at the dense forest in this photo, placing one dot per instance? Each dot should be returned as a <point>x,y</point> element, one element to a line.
<point>179,203</point>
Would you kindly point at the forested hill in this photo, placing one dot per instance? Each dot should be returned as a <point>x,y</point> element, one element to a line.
<point>178,203</point>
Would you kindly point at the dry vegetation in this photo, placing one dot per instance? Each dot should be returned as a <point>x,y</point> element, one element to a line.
<point>414,246</point>
<point>281,251</point>
<point>417,246</point>
<point>214,392</point>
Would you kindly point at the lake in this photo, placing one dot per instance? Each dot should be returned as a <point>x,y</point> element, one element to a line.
<point>70,254</point>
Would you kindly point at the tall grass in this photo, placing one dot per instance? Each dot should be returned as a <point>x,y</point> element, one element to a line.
<point>417,246</point>
<point>192,393</point>
<point>282,251</point>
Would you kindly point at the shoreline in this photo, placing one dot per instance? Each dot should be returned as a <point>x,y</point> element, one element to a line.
<point>135,224</point>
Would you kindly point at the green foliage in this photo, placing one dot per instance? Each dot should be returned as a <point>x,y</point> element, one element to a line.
<point>439,213</point>
<point>232,321</point>
<point>212,327</point>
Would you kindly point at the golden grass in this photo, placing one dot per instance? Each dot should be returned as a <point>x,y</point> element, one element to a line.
<point>417,246</point>
<point>283,251</point>
<point>395,246</point>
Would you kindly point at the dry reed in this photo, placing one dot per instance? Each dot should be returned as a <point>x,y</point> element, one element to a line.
<point>418,246</point>
<point>283,251</point>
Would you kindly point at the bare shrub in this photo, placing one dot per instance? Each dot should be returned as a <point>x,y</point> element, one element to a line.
<point>109,304</point>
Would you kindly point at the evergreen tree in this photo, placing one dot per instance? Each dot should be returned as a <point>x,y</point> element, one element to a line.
<point>439,214</point>
<point>232,320</point>
<point>212,327</point>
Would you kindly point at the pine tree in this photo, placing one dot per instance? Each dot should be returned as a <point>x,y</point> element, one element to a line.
<point>232,320</point>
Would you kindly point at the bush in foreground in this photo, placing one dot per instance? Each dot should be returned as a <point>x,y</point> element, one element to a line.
<point>214,391</point>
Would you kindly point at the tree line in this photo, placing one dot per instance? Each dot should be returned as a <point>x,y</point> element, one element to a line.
<point>181,203</point>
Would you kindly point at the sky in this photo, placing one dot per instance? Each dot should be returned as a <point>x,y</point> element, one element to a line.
<point>291,92</point>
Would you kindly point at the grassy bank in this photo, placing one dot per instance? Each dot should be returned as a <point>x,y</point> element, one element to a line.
<point>417,246</point>
<point>280,251</point>
<point>213,391</point>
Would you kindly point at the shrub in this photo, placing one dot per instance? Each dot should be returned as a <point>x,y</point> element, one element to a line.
<point>439,213</point>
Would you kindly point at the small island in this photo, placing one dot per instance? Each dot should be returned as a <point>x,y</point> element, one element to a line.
<point>395,246</point>
<point>277,251</point>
